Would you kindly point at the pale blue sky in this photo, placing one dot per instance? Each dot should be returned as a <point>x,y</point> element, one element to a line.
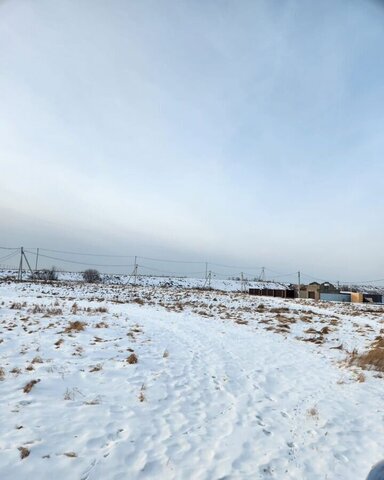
<point>239,131</point>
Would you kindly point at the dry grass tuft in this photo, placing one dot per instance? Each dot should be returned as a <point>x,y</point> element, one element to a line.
<point>28,387</point>
<point>24,452</point>
<point>141,395</point>
<point>52,312</point>
<point>313,412</point>
<point>373,359</point>
<point>37,359</point>
<point>37,309</point>
<point>59,342</point>
<point>165,354</point>
<point>102,325</point>
<point>16,306</point>
<point>241,322</point>
<point>2,373</point>
<point>95,401</point>
<point>132,359</point>
<point>96,368</point>
<point>138,300</point>
<point>76,326</point>
<point>70,454</point>
<point>100,310</point>
<point>279,310</point>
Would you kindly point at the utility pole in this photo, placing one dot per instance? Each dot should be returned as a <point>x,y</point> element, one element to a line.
<point>20,272</point>
<point>37,258</point>
<point>298,284</point>
<point>206,270</point>
<point>135,270</point>
<point>262,274</point>
<point>242,282</point>
<point>134,273</point>
<point>207,283</point>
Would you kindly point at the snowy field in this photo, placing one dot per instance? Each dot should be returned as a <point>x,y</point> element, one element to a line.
<point>224,285</point>
<point>114,382</point>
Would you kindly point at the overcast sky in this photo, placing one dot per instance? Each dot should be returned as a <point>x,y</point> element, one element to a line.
<point>240,132</point>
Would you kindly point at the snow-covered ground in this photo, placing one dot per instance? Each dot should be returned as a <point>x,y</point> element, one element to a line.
<point>224,285</point>
<point>225,385</point>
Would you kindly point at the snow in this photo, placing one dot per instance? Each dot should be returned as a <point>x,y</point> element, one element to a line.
<point>226,385</point>
<point>161,281</point>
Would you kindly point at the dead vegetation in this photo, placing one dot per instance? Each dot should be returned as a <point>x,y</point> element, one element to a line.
<point>132,359</point>
<point>24,452</point>
<point>70,454</point>
<point>373,359</point>
<point>51,312</point>
<point>76,326</point>
<point>28,386</point>
<point>96,368</point>
<point>59,342</point>
<point>74,308</point>
<point>101,325</point>
<point>138,300</point>
<point>17,305</point>
<point>279,310</point>
<point>313,412</point>
<point>141,394</point>
<point>37,359</point>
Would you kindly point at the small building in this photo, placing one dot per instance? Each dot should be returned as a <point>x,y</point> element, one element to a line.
<point>354,294</point>
<point>272,289</point>
<point>318,291</point>
<point>363,296</point>
<point>311,291</point>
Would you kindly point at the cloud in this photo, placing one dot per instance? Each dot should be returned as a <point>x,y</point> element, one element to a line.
<point>244,130</point>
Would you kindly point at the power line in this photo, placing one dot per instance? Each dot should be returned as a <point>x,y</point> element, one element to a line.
<point>233,266</point>
<point>76,262</point>
<point>10,255</point>
<point>86,254</point>
<point>285,275</point>
<point>167,272</point>
<point>170,261</point>
<point>14,251</point>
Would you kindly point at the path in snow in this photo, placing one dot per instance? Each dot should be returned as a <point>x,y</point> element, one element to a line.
<point>229,402</point>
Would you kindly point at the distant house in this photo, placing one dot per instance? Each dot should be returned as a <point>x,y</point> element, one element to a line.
<point>354,294</point>
<point>363,295</point>
<point>272,289</point>
<point>318,291</point>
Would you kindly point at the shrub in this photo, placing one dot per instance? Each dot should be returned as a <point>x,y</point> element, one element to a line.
<point>76,326</point>
<point>28,387</point>
<point>373,359</point>
<point>132,359</point>
<point>47,275</point>
<point>24,452</point>
<point>91,276</point>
